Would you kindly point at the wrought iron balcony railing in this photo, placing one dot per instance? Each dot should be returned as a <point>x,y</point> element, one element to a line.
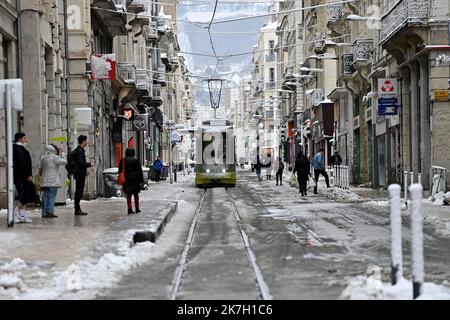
<point>127,73</point>
<point>347,64</point>
<point>405,12</point>
<point>270,85</point>
<point>334,12</point>
<point>141,80</point>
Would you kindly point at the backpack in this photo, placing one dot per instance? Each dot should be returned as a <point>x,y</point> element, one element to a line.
<point>71,165</point>
<point>281,167</point>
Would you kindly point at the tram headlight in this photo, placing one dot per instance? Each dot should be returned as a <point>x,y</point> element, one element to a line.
<point>208,171</point>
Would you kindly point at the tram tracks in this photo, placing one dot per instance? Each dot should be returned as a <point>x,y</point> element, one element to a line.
<point>179,277</point>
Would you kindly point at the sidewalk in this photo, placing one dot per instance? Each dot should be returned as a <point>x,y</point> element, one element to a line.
<point>50,258</point>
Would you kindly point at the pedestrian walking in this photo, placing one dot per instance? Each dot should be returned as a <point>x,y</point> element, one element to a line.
<point>336,159</point>
<point>269,168</point>
<point>50,179</point>
<point>77,165</point>
<point>318,163</point>
<point>157,167</point>
<point>133,179</point>
<point>258,168</point>
<point>278,167</point>
<point>23,177</point>
<point>302,168</point>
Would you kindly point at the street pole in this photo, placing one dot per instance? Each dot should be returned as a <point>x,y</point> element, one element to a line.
<point>9,143</point>
<point>396,233</point>
<point>417,264</point>
<point>170,157</point>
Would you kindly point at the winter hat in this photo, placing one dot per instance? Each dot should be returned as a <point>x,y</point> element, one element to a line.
<point>51,148</point>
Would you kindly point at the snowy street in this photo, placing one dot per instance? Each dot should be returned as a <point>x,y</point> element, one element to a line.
<point>305,248</point>
<point>255,241</point>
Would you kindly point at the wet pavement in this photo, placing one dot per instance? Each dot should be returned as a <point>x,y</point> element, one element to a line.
<point>305,247</point>
<point>250,239</point>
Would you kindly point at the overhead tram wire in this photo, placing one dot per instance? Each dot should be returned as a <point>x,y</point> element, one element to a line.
<point>250,52</point>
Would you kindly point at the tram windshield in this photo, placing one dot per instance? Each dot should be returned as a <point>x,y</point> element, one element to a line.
<point>214,147</point>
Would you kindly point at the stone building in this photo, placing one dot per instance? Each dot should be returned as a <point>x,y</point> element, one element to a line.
<point>9,69</point>
<point>63,94</point>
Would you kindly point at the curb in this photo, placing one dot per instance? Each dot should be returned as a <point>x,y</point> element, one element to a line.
<point>153,235</point>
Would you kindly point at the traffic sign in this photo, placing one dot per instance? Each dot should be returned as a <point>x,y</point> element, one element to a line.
<point>387,106</point>
<point>387,88</point>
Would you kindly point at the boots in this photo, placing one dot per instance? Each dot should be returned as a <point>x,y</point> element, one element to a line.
<point>78,212</point>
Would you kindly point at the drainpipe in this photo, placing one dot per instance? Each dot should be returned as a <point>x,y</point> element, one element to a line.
<point>67,79</point>
<point>19,46</point>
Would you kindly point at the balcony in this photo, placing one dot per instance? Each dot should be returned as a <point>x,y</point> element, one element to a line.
<point>270,85</point>
<point>163,24</point>
<point>142,80</point>
<point>150,32</point>
<point>270,57</point>
<point>112,16</point>
<point>288,74</point>
<point>154,98</point>
<point>362,52</point>
<point>137,6</point>
<point>141,19</point>
<point>334,13</point>
<point>347,64</point>
<point>159,76</point>
<point>319,44</point>
<point>126,73</point>
<point>317,97</point>
<point>404,13</point>
<point>258,87</point>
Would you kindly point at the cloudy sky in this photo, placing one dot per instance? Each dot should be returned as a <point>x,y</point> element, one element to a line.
<point>228,38</point>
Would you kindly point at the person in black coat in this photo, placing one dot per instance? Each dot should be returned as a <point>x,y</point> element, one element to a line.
<point>133,178</point>
<point>302,167</point>
<point>80,164</point>
<point>23,176</point>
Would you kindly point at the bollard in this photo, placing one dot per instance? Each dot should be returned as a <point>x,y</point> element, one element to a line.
<point>405,184</point>
<point>417,264</point>
<point>347,179</point>
<point>419,178</point>
<point>396,233</point>
<point>411,174</point>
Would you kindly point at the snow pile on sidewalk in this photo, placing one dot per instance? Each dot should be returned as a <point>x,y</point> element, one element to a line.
<point>340,194</point>
<point>81,280</point>
<point>438,199</point>
<point>368,288</point>
<point>378,203</point>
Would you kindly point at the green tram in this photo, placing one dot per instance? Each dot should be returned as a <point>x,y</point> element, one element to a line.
<point>215,154</point>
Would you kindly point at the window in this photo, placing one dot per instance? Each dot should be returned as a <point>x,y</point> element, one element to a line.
<point>4,60</point>
<point>271,46</point>
<point>356,106</point>
<point>272,75</point>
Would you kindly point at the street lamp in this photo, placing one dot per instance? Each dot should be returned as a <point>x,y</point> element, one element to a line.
<point>306,69</point>
<point>300,76</point>
<point>355,17</point>
<point>286,91</point>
